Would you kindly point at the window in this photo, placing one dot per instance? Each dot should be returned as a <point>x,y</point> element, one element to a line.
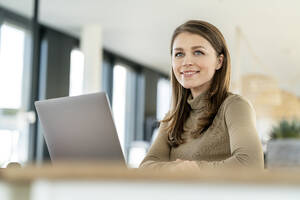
<point>123,104</point>
<point>163,98</point>
<point>14,90</point>
<point>11,66</point>
<point>119,101</point>
<point>76,72</point>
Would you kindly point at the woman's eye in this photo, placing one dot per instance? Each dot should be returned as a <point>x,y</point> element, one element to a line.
<point>179,54</point>
<point>198,53</point>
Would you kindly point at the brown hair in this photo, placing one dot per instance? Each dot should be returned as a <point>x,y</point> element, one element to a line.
<point>217,92</point>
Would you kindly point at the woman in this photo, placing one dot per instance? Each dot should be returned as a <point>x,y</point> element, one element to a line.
<point>207,126</point>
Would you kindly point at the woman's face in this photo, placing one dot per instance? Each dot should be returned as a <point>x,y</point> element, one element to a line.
<point>194,62</point>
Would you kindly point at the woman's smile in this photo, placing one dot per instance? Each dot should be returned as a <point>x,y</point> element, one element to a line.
<point>189,73</point>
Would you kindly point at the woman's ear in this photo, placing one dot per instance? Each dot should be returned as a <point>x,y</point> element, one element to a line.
<point>220,59</point>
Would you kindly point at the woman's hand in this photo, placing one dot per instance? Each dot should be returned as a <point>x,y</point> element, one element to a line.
<point>184,165</point>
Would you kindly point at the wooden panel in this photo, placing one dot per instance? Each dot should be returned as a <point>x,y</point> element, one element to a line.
<point>98,171</point>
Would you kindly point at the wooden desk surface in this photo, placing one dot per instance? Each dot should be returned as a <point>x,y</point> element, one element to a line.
<point>98,171</point>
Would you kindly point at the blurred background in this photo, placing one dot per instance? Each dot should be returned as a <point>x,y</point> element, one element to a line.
<point>54,48</point>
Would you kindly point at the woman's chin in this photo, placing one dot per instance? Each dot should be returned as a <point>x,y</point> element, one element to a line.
<point>187,86</point>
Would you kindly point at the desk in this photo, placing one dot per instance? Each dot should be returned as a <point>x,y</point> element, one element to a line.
<point>98,181</point>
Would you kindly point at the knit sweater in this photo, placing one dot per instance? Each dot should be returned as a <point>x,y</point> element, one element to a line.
<point>230,141</point>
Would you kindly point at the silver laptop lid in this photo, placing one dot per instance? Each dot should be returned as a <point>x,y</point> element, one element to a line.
<point>80,128</point>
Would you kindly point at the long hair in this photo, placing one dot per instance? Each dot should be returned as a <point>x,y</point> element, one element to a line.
<point>217,92</point>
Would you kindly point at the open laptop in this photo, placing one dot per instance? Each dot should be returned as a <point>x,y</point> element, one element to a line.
<point>80,128</point>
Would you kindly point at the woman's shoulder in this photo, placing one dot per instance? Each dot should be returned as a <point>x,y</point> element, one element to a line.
<point>237,102</point>
<point>231,97</point>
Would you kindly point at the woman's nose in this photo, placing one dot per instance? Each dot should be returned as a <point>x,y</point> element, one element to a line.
<point>187,61</point>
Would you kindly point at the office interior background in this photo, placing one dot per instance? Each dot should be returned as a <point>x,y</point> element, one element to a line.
<point>122,48</point>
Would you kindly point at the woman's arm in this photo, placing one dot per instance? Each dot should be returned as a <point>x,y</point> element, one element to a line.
<point>158,156</point>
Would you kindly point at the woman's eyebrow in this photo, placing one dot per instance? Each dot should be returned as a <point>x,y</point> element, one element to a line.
<point>193,47</point>
<point>178,49</point>
<point>198,47</point>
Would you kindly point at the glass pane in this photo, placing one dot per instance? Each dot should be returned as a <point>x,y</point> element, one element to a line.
<point>11,66</point>
<point>119,101</point>
<point>76,73</point>
<point>14,79</point>
<point>163,98</point>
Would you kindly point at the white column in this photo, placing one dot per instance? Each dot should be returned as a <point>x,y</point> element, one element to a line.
<point>91,46</point>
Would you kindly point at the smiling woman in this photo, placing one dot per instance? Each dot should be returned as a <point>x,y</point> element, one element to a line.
<point>194,65</point>
<point>206,126</point>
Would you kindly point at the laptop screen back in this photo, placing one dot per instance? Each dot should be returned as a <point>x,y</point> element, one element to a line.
<point>80,128</point>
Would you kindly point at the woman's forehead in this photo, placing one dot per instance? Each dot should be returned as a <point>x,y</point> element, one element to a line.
<point>189,40</point>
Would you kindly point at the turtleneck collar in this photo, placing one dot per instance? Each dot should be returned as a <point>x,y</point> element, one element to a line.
<point>199,102</point>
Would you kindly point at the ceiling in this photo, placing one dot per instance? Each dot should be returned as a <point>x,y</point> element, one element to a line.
<point>268,43</point>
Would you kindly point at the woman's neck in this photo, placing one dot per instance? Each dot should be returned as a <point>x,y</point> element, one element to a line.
<point>199,90</point>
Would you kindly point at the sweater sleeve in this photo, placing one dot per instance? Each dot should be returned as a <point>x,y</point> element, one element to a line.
<point>245,145</point>
<point>158,156</point>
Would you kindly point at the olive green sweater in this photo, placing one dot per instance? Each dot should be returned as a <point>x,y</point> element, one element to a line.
<point>231,140</point>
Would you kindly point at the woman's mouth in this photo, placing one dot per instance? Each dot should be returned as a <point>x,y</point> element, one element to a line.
<point>189,73</point>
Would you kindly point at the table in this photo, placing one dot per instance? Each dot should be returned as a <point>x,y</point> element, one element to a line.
<point>78,181</point>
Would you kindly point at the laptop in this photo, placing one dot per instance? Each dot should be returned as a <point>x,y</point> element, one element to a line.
<point>80,128</point>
